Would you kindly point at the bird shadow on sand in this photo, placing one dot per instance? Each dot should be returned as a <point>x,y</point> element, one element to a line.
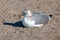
<point>16,24</point>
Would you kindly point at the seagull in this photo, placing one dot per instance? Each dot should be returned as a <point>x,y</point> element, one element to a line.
<point>35,19</point>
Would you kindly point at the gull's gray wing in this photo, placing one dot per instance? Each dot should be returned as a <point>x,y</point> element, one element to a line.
<point>40,18</point>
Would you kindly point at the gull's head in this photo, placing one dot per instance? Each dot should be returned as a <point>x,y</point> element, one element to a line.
<point>26,13</point>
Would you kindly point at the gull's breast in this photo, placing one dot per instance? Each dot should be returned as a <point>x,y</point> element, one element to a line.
<point>28,22</point>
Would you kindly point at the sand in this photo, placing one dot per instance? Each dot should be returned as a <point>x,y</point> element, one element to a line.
<point>11,10</point>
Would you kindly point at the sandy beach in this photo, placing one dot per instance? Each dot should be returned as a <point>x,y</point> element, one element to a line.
<point>11,10</point>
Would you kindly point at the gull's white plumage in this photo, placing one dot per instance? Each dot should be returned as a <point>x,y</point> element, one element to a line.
<point>28,23</point>
<point>34,19</point>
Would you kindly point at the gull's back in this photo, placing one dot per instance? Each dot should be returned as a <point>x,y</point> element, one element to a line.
<point>40,18</point>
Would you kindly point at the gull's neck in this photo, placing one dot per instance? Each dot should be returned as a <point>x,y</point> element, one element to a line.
<point>29,13</point>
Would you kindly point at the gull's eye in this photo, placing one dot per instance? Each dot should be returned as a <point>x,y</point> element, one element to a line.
<point>23,12</point>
